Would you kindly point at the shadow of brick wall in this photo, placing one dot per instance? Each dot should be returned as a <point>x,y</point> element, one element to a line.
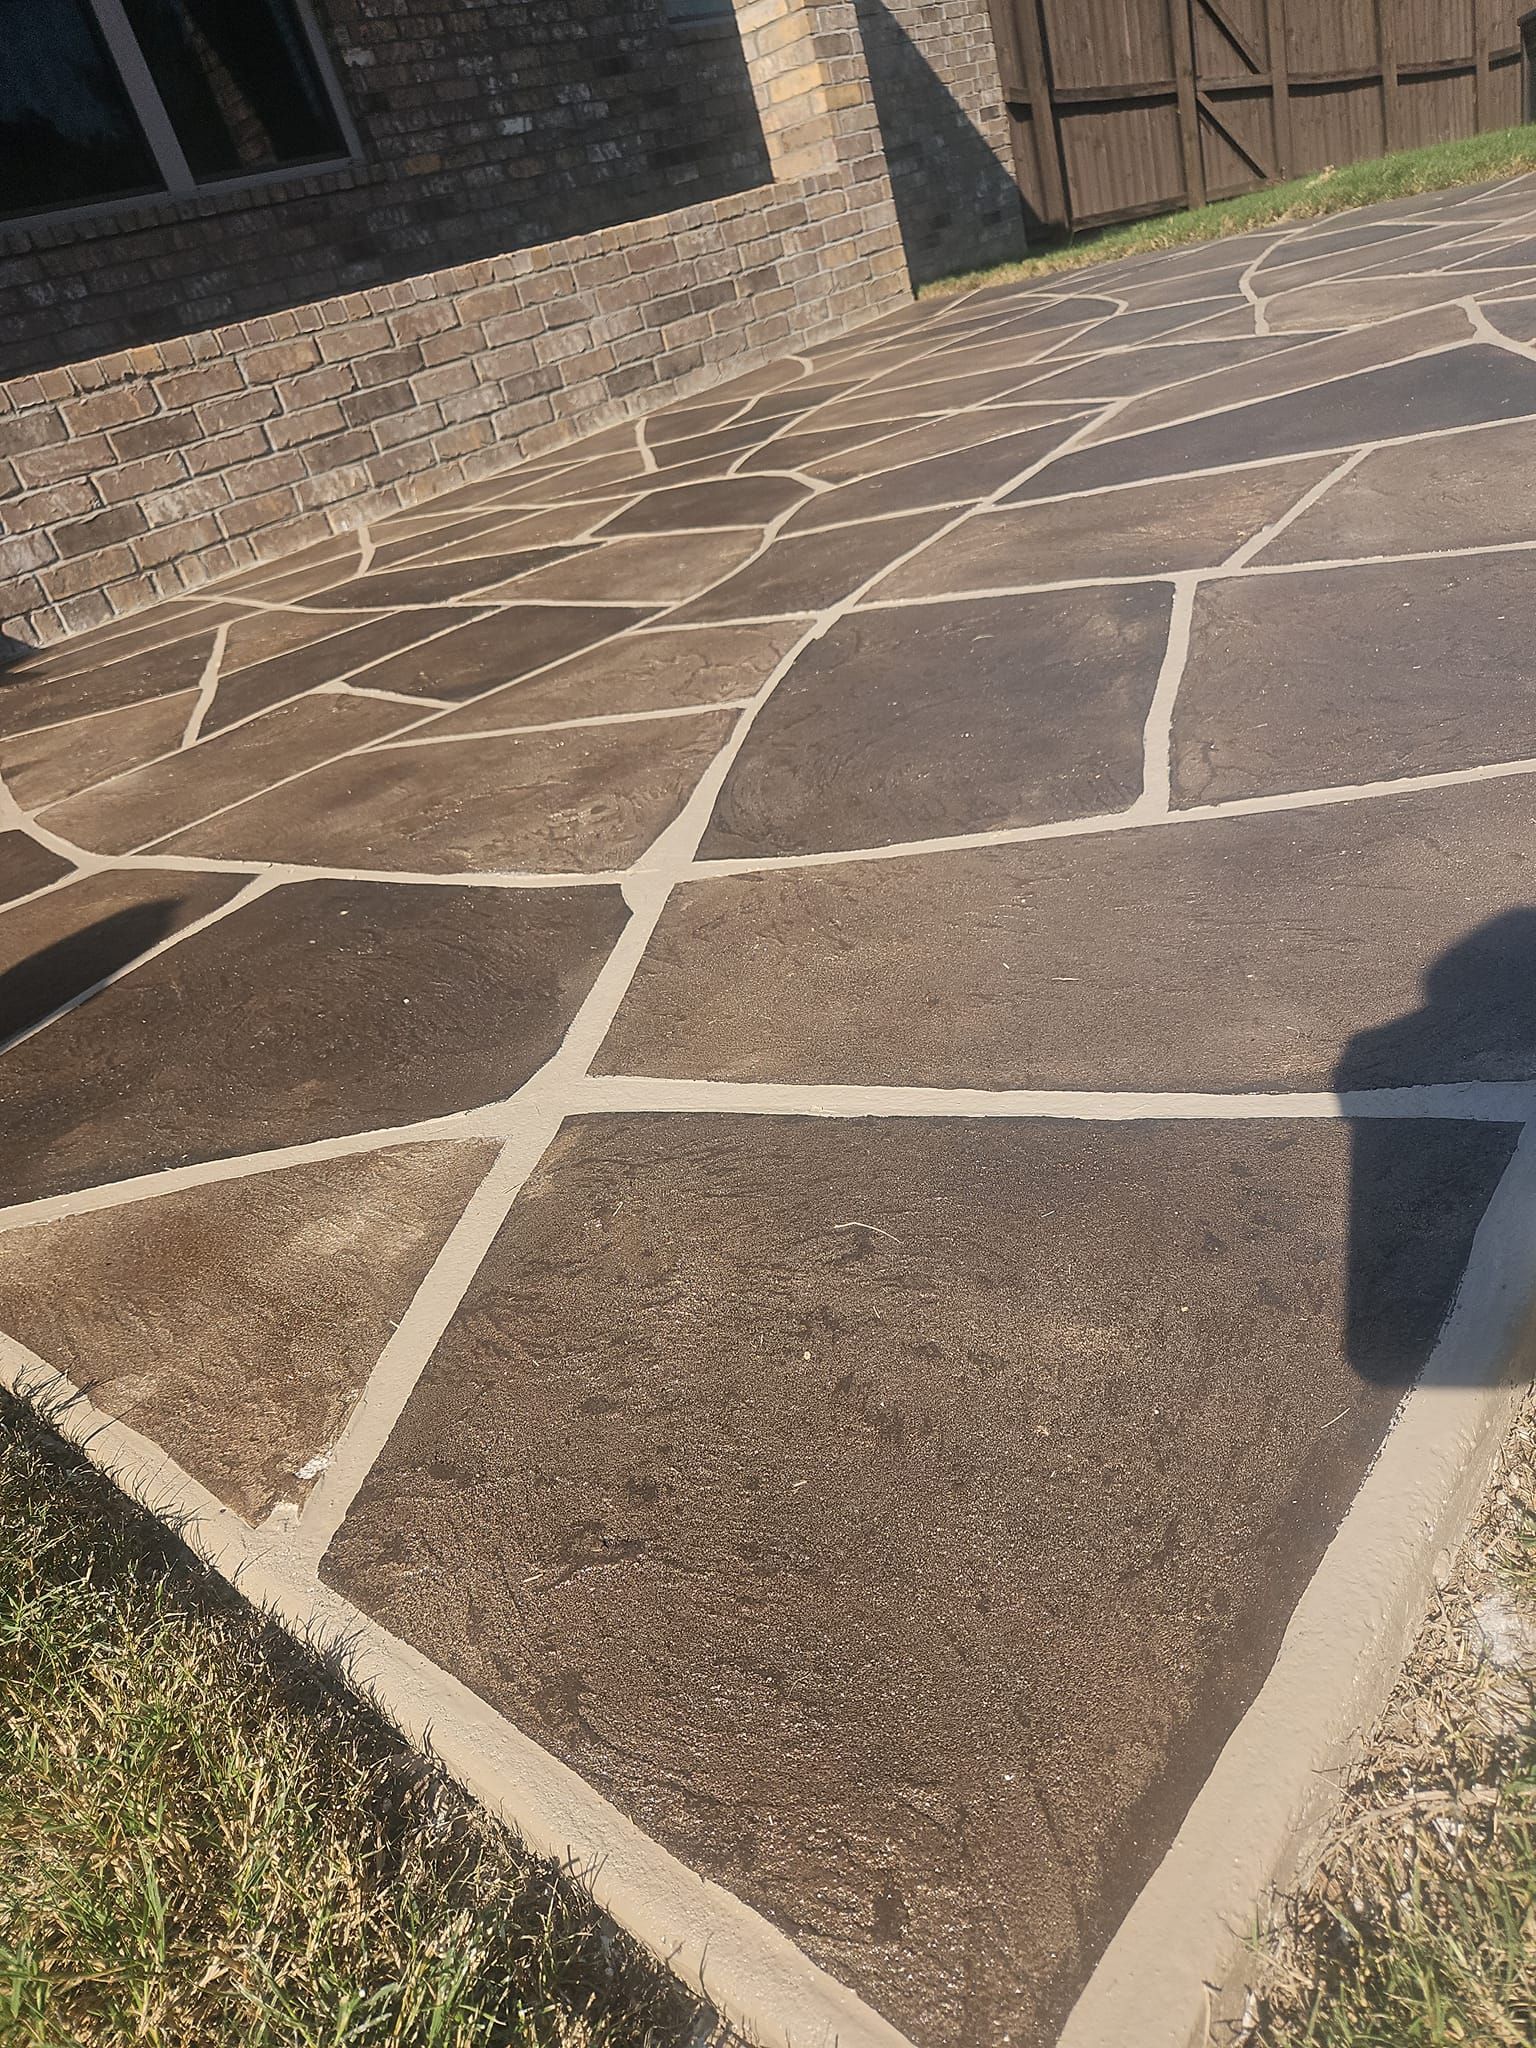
<point>933,71</point>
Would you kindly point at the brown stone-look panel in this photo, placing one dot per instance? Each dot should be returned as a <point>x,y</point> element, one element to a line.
<point>1145,530</point>
<point>65,942</point>
<point>934,719</point>
<point>1467,490</point>
<point>640,672</point>
<point>436,582</point>
<point>26,864</point>
<point>807,572</point>
<point>954,479</point>
<point>895,1518</point>
<point>735,501</point>
<point>497,648</point>
<point>1248,952</point>
<point>30,699</point>
<point>651,569</point>
<point>320,1008</point>
<point>1458,388</point>
<point>236,1323</point>
<point>568,802</point>
<point>1400,669</point>
<point>54,761</point>
<point>363,648</point>
<point>146,804</point>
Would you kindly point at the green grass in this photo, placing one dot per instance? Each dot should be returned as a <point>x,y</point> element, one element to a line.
<point>206,1841</point>
<point>1420,1928</point>
<point>1436,169</point>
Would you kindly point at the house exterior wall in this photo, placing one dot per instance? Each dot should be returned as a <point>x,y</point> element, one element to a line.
<point>144,452</point>
<point>484,126</point>
<point>934,75</point>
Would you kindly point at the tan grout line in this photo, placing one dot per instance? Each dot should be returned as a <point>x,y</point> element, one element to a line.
<point>390,745</point>
<point>1157,734</point>
<point>508,1119</point>
<point>478,1125</point>
<point>208,683</point>
<point>319,871</point>
<point>1465,1101</point>
<point>375,696</point>
<point>1129,820</point>
<point>1244,553</point>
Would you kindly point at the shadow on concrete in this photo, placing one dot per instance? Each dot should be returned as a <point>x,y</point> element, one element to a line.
<point>37,986</point>
<point>957,204</point>
<point>1419,1185</point>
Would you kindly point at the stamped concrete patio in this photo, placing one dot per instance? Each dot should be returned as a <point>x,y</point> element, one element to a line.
<point>792,1094</point>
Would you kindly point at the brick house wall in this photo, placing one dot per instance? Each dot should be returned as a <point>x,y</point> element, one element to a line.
<point>933,71</point>
<point>217,381</point>
<point>485,126</point>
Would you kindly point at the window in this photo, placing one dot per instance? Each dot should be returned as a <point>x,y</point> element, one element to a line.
<point>108,99</point>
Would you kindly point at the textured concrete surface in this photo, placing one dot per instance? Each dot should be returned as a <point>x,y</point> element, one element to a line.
<point>796,1094</point>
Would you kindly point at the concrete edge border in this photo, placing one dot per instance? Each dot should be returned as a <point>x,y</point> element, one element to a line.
<point>754,1976</point>
<point>1174,1969</point>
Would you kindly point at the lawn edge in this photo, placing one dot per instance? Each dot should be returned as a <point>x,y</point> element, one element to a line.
<point>754,1976</point>
<point>1179,1966</point>
<point>1211,224</point>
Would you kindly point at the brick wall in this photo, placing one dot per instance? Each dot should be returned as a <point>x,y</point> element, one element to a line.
<point>933,69</point>
<point>146,471</point>
<point>484,126</point>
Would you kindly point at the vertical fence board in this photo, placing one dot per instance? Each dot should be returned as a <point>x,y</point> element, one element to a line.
<point>1127,107</point>
<point>1280,87</point>
<point>1181,37</point>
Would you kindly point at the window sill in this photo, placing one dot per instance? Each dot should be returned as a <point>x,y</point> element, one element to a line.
<point>153,209</point>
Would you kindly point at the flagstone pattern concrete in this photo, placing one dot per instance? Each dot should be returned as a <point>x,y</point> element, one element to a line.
<point>809,851</point>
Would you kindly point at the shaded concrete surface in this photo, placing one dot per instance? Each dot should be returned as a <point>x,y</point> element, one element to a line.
<point>799,1091</point>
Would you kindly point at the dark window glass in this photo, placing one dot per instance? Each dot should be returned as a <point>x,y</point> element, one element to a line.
<point>239,83</point>
<point>67,132</point>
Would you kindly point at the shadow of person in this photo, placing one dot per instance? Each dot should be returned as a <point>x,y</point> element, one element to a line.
<point>1419,1183</point>
<point>33,988</point>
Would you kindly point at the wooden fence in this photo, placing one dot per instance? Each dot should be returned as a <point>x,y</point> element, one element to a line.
<point>1127,107</point>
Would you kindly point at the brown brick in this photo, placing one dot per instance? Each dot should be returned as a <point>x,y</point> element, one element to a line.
<point>113,407</point>
<point>282,359</point>
<point>178,389</point>
<point>133,479</point>
<point>97,530</point>
<point>290,429</point>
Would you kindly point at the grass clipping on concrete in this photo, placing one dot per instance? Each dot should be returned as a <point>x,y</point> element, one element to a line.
<point>205,1840</point>
<point>1477,160</point>
<point>1419,1929</point>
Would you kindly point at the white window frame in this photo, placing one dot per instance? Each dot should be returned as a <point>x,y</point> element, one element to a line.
<point>149,110</point>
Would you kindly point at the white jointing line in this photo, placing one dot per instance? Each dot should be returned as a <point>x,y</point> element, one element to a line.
<point>1502,1102</point>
